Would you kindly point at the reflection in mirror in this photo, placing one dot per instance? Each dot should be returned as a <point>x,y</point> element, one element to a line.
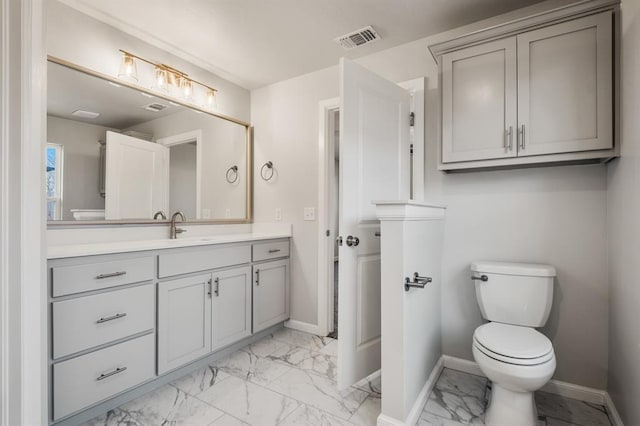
<point>117,153</point>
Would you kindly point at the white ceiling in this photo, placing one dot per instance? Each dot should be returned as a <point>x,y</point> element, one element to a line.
<point>254,43</point>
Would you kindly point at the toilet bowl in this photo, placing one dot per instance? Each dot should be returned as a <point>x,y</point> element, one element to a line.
<point>519,360</point>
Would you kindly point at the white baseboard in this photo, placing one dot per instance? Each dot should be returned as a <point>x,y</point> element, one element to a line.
<point>569,390</point>
<point>304,326</point>
<point>416,410</point>
<point>614,416</point>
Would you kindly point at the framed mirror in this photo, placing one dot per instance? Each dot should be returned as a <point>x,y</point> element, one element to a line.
<point>118,153</point>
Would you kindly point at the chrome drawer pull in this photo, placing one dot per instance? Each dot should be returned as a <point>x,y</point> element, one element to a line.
<point>111,318</point>
<point>111,373</point>
<point>274,250</point>
<point>111,275</point>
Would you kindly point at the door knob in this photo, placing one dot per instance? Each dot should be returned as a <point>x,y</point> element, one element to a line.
<point>353,241</point>
<point>339,240</point>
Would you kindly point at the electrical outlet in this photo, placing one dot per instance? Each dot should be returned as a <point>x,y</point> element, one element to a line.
<point>206,213</point>
<point>227,213</point>
<point>278,213</point>
<point>309,213</point>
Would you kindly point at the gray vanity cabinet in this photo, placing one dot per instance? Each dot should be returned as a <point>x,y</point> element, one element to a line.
<point>270,293</point>
<point>184,321</point>
<point>118,319</point>
<point>231,306</point>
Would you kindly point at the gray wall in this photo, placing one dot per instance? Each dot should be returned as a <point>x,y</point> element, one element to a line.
<point>81,162</point>
<point>554,215</point>
<point>623,217</point>
<point>182,179</point>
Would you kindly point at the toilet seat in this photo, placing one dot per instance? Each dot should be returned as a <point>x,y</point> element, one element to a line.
<point>513,344</point>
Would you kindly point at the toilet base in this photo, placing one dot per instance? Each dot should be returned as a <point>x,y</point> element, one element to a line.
<point>508,408</point>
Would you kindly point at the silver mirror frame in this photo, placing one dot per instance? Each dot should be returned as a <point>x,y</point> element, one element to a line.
<point>249,157</point>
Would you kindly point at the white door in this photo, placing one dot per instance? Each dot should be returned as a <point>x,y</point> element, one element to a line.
<point>270,294</point>
<point>479,102</point>
<point>231,308</point>
<point>565,101</point>
<point>184,321</point>
<point>137,178</point>
<point>374,165</point>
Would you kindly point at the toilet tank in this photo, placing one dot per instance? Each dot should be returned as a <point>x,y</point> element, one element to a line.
<point>514,293</point>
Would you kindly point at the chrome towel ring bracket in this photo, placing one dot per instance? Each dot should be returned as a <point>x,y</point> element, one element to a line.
<point>232,174</point>
<point>266,171</point>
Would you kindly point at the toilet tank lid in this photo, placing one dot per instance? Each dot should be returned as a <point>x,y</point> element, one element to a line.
<point>510,268</point>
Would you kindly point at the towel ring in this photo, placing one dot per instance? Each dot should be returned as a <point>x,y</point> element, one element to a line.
<point>232,174</point>
<point>269,172</point>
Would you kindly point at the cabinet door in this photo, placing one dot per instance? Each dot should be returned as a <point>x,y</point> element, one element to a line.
<point>270,294</point>
<point>184,321</point>
<point>565,87</point>
<point>231,308</point>
<point>479,102</point>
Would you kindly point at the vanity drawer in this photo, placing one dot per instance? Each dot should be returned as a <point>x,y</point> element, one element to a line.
<point>94,276</point>
<point>202,259</point>
<point>270,250</point>
<point>90,321</point>
<point>82,381</point>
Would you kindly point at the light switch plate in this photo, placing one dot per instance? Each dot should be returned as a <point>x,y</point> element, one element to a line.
<point>309,213</point>
<point>278,213</point>
<point>227,213</point>
<point>206,213</point>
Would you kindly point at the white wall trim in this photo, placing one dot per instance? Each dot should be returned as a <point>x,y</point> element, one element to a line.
<point>325,268</point>
<point>304,326</point>
<point>614,415</point>
<point>421,400</point>
<point>179,139</point>
<point>557,387</point>
<point>23,373</point>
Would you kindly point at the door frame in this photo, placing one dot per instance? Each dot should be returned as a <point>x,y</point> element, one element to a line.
<point>23,290</point>
<point>326,148</point>
<point>182,138</point>
<point>416,88</point>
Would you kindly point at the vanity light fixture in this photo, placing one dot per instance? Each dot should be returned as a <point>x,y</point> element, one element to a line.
<point>166,78</point>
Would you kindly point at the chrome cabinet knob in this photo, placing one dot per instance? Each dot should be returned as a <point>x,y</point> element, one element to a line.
<point>352,241</point>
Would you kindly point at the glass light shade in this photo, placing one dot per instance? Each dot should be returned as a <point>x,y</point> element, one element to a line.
<point>128,68</point>
<point>187,87</point>
<point>211,99</point>
<point>161,79</point>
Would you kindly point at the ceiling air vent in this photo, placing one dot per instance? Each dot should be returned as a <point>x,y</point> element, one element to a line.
<point>155,107</point>
<point>357,38</point>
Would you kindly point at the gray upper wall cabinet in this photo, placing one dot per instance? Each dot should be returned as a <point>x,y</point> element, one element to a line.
<point>539,96</point>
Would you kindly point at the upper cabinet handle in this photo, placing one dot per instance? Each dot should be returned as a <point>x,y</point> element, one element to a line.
<point>510,135</point>
<point>522,137</point>
<point>111,275</point>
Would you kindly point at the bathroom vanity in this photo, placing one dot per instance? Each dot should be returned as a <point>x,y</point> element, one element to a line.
<point>131,314</point>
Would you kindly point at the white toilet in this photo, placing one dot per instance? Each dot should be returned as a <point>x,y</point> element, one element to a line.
<point>516,298</point>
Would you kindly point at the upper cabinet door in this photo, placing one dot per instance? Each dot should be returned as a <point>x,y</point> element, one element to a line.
<point>479,102</point>
<point>565,87</point>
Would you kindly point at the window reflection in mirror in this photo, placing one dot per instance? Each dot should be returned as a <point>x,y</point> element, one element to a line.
<point>128,154</point>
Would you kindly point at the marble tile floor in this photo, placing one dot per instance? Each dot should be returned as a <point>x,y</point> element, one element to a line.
<point>460,399</point>
<point>288,378</point>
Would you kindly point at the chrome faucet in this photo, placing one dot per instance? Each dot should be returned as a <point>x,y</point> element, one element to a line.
<point>173,230</point>
<point>159,214</point>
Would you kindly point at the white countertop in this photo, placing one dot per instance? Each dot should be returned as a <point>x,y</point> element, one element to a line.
<point>75,250</point>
